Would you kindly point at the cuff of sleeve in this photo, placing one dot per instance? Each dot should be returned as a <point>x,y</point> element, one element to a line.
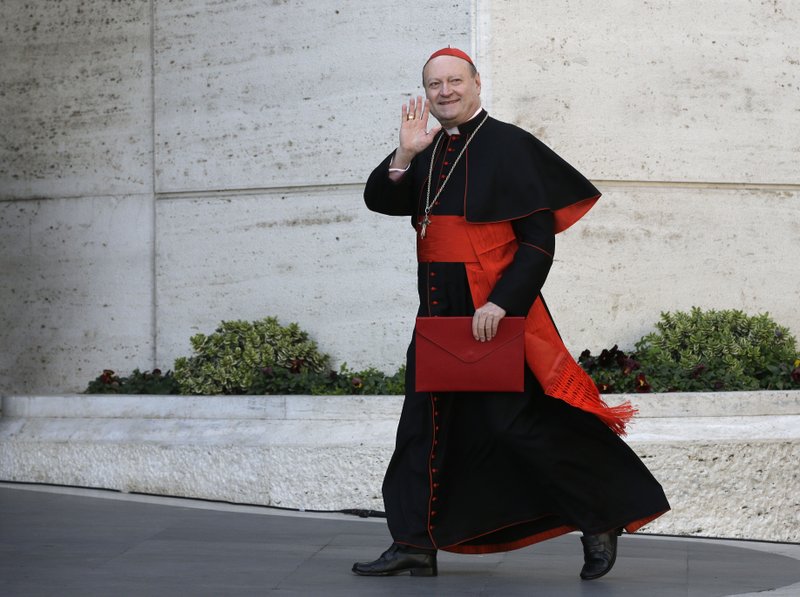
<point>397,169</point>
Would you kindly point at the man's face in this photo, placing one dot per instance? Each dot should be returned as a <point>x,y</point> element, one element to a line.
<point>452,90</point>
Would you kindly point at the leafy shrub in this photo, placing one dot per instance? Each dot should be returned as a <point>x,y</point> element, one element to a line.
<point>344,381</point>
<point>231,360</point>
<point>615,372</point>
<point>138,382</point>
<point>721,349</point>
<point>697,351</point>
<point>260,357</point>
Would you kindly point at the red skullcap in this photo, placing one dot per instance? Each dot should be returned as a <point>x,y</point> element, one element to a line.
<point>448,51</point>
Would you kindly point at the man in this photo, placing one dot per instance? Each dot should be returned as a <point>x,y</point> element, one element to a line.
<point>487,472</point>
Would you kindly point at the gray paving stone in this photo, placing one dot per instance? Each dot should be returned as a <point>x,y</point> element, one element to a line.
<point>78,542</point>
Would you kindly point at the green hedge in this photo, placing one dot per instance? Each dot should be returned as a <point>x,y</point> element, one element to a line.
<point>701,351</point>
<point>258,357</point>
<point>694,351</point>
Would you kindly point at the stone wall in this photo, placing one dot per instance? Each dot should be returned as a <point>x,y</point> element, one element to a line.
<point>166,165</point>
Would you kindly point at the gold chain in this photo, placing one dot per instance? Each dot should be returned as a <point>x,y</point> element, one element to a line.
<point>428,203</point>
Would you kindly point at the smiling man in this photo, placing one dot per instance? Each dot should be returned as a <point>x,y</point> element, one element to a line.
<point>481,472</point>
<point>454,94</point>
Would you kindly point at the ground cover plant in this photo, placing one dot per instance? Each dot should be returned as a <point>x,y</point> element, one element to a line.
<point>688,351</point>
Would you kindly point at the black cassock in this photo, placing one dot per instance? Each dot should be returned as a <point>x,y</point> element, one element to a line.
<point>485,472</point>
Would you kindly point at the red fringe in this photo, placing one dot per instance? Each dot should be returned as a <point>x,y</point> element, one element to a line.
<point>574,386</point>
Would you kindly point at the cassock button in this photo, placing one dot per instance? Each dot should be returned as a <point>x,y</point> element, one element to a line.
<point>433,456</point>
<point>436,413</point>
<point>435,485</point>
<point>433,512</point>
<point>434,498</point>
<point>433,288</point>
<point>434,471</point>
<point>434,302</point>
<point>447,163</point>
<point>436,442</point>
<point>433,274</point>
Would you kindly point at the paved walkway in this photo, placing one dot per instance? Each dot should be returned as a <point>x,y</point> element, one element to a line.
<point>61,542</point>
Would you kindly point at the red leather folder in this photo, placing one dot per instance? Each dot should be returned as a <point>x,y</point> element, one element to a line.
<point>449,359</point>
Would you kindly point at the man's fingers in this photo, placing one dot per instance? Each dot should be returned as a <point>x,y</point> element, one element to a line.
<point>426,111</point>
<point>488,328</point>
<point>495,323</point>
<point>483,327</point>
<point>477,326</point>
<point>486,321</point>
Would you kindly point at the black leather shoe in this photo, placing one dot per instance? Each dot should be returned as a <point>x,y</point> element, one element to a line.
<point>399,559</point>
<point>599,554</point>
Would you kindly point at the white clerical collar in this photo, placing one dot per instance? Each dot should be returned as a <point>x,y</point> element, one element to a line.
<point>454,130</point>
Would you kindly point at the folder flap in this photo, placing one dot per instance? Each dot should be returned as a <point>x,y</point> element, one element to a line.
<point>454,336</point>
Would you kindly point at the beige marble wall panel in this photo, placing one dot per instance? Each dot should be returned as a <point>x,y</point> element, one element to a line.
<point>699,91</point>
<point>75,105</point>
<point>75,291</point>
<point>346,275</point>
<point>261,94</point>
<point>643,250</point>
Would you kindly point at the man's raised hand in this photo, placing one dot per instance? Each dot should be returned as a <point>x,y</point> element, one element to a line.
<point>414,133</point>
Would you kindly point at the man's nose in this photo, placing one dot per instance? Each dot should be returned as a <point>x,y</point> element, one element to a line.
<point>445,89</point>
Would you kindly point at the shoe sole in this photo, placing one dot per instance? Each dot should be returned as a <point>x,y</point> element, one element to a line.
<point>412,571</point>
<point>603,573</point>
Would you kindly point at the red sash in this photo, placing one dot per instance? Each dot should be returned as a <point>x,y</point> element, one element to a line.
<point>486,251</point>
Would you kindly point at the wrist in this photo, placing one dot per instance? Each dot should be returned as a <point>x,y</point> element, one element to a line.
<point>401,159</point>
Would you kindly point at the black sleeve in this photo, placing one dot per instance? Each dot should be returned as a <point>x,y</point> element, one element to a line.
<point>387,197</point>
<point>523,279</point>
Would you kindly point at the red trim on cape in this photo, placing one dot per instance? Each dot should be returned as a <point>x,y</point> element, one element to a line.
<point>638,524</point>
<point>509,545</point>
<point>567,216</point>
<point>631,527</point>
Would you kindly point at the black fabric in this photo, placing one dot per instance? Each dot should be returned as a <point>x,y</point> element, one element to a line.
<point>491,471</point>
<point>509,174</point>
<point>505,467</point>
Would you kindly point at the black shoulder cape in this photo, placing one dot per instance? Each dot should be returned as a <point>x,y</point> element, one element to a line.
<point>510,174</point>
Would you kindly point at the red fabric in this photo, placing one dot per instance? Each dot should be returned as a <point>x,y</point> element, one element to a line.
<point>567,216</point>
<point>559,375</point>
<point>511,545</point>
<point>448,51</point>
<point>536,538</point>
<point>446,240</point>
